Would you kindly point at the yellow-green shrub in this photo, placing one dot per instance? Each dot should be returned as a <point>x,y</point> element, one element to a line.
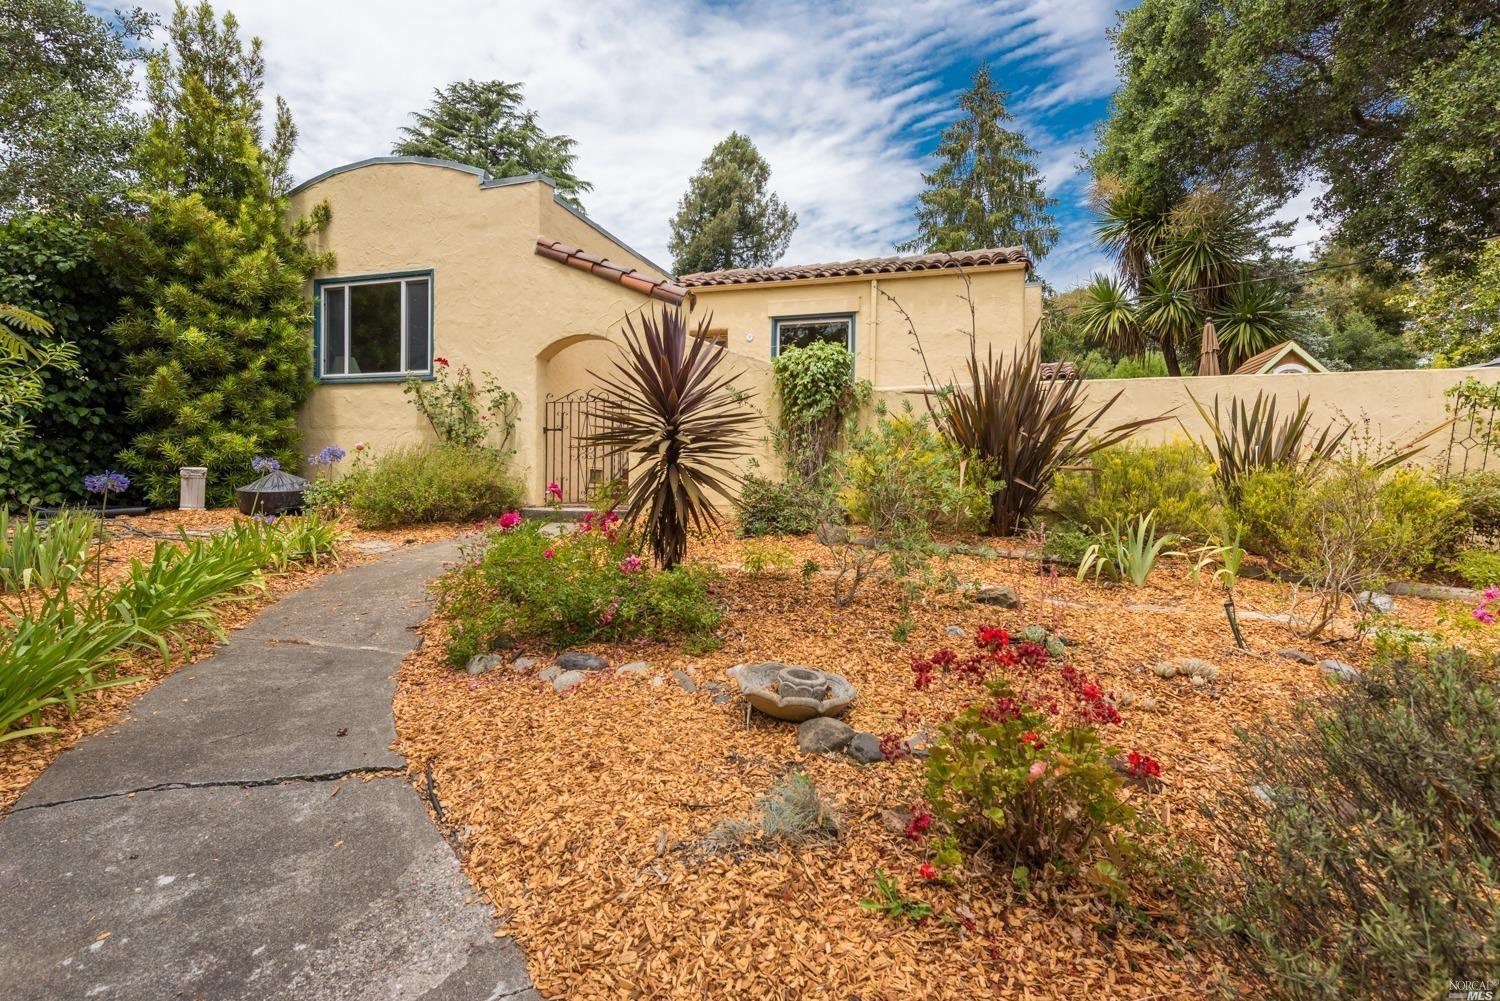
<point>901,474</point>
<point>1174,479</point>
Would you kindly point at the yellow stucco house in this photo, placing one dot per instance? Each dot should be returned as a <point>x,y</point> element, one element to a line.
<point>439,262</point>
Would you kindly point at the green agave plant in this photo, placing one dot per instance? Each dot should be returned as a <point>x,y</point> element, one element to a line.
<point>1130,554</point>
<point>679,419</point>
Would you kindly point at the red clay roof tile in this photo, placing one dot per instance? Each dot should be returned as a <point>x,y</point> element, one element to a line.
<point>863,266</point>
<point>632,278</point>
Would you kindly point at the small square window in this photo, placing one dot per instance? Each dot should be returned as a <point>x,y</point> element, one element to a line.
<point>800,331</point>
<point>375,328</point>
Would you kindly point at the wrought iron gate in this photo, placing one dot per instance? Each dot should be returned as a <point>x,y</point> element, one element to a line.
<point>1475,431</point>
<point>570,460</point>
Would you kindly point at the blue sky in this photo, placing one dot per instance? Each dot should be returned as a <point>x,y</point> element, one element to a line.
<point>845,100</point>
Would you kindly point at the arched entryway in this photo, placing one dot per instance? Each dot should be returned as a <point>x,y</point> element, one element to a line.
<point>572,406</point>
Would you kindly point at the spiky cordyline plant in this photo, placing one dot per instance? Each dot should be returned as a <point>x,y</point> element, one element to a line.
<point>680,421</point>
<point>1020,427</point>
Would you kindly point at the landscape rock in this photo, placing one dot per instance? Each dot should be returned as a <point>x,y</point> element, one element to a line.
<point>722,699</point>
<point>567,680</point>
<point>1295,655</point>
<point>1375,601</point>
<point>684,680</point>
<point>577,660</point>
<point>997,595</point>
<point>634,667</point>
<point>956,631</point>
<point>821,734</point>
<point>550,672</point>
<point>864,748</point>
<point>523,664</point>
<point>1337,670</point>
<point>482,663</point>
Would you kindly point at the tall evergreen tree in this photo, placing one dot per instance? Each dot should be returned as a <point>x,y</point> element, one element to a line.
<point>217,327</point>
<point>986,190</point>
<point>727,218</point>
<point>484,124</point>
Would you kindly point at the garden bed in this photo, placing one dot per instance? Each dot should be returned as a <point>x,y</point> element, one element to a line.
<point>582,816</point>
<point>135,538</point>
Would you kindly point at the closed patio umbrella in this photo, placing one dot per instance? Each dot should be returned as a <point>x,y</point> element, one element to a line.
<point>1208,361</point>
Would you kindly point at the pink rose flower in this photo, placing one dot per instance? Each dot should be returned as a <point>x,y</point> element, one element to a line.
<point>1038,769</point>
<point>555,489</point>
<point>509,520</point>
<point>549,554</point>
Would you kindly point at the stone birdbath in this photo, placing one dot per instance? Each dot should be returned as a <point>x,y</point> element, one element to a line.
<point>792,692</point>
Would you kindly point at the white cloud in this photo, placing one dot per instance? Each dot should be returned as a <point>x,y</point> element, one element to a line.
<point>834,95</point>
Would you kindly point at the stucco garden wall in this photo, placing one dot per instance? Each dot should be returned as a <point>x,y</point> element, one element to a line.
<point>1398,405</point>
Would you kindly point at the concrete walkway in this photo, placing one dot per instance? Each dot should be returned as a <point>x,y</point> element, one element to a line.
<point>248,834</point>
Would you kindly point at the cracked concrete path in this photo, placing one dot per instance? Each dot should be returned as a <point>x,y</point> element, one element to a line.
<point>247,833</point>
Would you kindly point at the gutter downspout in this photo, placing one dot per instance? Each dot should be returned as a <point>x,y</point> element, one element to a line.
<point>874,326</point>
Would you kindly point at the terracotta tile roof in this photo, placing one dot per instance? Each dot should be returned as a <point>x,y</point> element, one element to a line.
<point>865,266</point>
<point>620,273</point>
<point>1065,371</point>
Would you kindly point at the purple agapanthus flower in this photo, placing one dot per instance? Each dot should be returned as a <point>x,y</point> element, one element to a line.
<point>264,464</point>
<point>107,482</point>
<point>328,456</point>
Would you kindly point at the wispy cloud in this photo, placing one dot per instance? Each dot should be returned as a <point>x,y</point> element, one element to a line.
<point>844,99</point>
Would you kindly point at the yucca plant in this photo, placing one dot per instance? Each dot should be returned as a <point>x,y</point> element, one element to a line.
<point>1130,554</point>
<point>1246,438</point>
<point>679,420</point>
<point>1252,317</point>
<point>1023,429</point>
<point>34,554</point>
<point>1108,317</point>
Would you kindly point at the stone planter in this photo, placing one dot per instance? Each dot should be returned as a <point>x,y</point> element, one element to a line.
<point>792,692</point>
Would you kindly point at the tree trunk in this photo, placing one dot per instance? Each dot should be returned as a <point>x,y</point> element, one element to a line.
<point>1169,355</point>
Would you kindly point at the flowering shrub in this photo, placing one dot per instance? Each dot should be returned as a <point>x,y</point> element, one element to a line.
<point>517,584</point>
<point>418,485</point>
<point>1022,772</point>
<point>464,412</point>
<point>1023,784</point>
<point>1488,609</point>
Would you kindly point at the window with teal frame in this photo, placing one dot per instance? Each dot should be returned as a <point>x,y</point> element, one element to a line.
<point>800,331</point>
<point>374,328</point>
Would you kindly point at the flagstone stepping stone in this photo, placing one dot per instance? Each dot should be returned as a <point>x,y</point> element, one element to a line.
<point>548,673</point>
<point>684,680</point>
<point>634,667</point>
<point>1295,655</point>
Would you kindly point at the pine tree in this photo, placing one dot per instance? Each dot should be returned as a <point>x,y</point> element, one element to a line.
<point>217,325</point>
<point>986,191</point>
<point>484,124</point>
<point>727,218</point>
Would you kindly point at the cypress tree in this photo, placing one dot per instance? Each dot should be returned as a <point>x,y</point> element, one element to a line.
<point>986,190</point>
<point>217,325</point>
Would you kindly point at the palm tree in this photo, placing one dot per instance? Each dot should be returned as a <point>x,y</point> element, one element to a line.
<point>1179,264</point>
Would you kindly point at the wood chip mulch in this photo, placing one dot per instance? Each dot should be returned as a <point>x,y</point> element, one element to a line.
<point>582,816</point>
